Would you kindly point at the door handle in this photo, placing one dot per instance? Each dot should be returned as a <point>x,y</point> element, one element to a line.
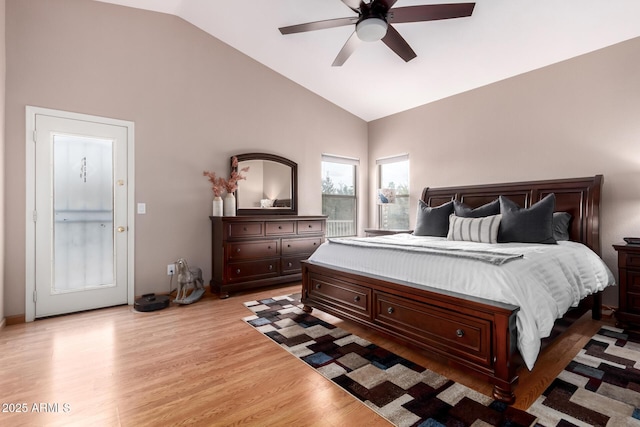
<point>121,229</point>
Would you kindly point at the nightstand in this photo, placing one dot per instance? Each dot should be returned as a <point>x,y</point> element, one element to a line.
<point>370,232</point>
<point>628,284</point>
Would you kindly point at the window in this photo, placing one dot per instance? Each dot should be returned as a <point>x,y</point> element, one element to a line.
<point>393,174</point>
<point>339,194</point>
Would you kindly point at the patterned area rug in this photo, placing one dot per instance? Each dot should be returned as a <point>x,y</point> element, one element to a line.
<point>600,387</point>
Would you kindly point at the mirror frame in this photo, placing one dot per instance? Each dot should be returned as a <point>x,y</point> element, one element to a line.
<point>294,184</point>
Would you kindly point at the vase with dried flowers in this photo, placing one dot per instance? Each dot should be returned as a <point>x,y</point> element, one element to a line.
<point>220,185</point>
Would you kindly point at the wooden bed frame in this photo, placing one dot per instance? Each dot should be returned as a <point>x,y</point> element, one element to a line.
<point>477,335</point>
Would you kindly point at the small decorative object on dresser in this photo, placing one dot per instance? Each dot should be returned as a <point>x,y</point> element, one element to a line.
<point>220,185</point>
<point>628,283</point>
<point>217,206</point>
<point>252,251</point>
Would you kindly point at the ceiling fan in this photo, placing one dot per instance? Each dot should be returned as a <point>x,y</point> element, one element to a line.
<point>373,24</point>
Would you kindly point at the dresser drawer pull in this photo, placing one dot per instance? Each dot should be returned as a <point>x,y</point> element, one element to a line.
<point>390,310</point>
<point>279,227</point>
<point>244,228</point>
<point>310,226</point>
<point>238,250</point>
<point>288,246</point>
<point>269,247</point>
<point>356,298</point>
<point>289,264</point>
<point>317,285</point>
<point>238,271</point>
<point>459,333</point>
<point>270,267</point>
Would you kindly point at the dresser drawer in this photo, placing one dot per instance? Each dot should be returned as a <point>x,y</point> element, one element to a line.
<point>451,332</point>
<point>633,303</point>
<point>252,250</point>
<point>310,227</point>
<point>253,270</point>
<point>280,227</point>
<point>298,246</point>
<point>629,259</point>
<point>246,229</point>
<point>291,264</point>
<point>348,297</point>
<point>632,280</point>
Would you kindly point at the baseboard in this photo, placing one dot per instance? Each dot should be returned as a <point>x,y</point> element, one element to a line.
<point>15,320</point>
<point>3,324</point>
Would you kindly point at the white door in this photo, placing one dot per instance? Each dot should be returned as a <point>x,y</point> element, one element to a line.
<point>81,218</point>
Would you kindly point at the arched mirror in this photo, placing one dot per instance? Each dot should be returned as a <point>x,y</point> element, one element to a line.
<point>270,187</point>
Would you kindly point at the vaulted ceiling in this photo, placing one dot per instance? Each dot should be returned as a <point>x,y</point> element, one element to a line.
<point>501,39</point>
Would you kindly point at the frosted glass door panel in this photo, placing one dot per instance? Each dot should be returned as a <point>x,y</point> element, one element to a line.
<point>83,213</point>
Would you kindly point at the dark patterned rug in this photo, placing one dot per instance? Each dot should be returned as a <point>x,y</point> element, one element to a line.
<point>589,392</point>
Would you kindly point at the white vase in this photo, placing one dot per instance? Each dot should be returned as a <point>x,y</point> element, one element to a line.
<point>229,205</point>
<point>217,206</point>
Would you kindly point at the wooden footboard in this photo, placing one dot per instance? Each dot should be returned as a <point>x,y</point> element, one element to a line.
<point>474,334</point>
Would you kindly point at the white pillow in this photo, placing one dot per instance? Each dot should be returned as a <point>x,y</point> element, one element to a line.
<point>482,230</point>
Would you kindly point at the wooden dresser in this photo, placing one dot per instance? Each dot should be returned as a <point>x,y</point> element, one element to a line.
<point>629,284</point>
<point>252,251</point>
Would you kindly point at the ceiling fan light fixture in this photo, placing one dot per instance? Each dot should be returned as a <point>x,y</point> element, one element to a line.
<point>371,29</point>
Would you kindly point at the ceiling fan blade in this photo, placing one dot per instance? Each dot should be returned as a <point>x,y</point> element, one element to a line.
<point>318,25</point>
<point>429,12</point>
<point>353,4</point>
<point>398,44</point>
<point>349,47</point>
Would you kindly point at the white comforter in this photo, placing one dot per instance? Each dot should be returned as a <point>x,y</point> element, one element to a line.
<point>545,283</point>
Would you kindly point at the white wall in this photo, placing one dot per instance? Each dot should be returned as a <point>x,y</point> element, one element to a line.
<point>576,118</point>
<point>195,102</point>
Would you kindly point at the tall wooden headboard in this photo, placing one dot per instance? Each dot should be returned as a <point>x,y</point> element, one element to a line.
<point>578,196</point>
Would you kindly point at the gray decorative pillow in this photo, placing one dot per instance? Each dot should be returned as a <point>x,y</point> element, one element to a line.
<point>433,221</point>
<point>491,208</point>
<point>561,222</point>
<point>482,230</point>
<point>530,225</point>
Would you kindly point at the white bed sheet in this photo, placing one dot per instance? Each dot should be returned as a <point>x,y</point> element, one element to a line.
<point>545,283</point>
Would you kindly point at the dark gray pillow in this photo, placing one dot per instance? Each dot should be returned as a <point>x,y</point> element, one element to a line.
<point>530,225</point>
<point>561,222</point>
<point>489,209</point>
<point>433,221</point>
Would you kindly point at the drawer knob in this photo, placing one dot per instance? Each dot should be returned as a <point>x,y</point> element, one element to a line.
<point>288,246</point>
<point>270,267</point>
<point>279,227</point>
<point>317,285</point>
<point>459,333</point>
<point>390,310</point>
<point>238,271</point>
<point>269,247</point>
<point>238,250</point>
<point>356,298</point>
<point>290,265</point>
<point>244,228</point>
<point>310,226</point>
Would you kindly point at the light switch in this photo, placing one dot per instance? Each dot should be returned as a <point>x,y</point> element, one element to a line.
<point>142,208</point>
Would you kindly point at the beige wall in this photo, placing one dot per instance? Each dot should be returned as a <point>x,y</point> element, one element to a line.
<point>195,102</point>
<point>3,73</point>
<point>580,117</point>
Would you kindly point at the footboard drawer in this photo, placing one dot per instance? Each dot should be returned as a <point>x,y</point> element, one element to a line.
<point>451,333</point>
<point>344,296</point>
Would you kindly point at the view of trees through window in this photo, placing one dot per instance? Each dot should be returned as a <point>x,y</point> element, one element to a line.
<point>339,198</point>
<point>393,173</point>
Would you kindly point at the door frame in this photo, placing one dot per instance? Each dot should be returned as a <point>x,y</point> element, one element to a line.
<point>30,227</point>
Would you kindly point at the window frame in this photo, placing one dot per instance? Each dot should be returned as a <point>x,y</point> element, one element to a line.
<point>355,163</point>
<point>379,164</point>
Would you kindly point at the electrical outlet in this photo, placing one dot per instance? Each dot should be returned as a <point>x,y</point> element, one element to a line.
<point>171,269</point>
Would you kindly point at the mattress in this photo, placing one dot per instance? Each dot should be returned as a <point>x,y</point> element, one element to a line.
<point>545,281</point>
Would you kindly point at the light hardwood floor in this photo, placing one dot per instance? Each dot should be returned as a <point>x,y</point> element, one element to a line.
<point>198,365</point>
